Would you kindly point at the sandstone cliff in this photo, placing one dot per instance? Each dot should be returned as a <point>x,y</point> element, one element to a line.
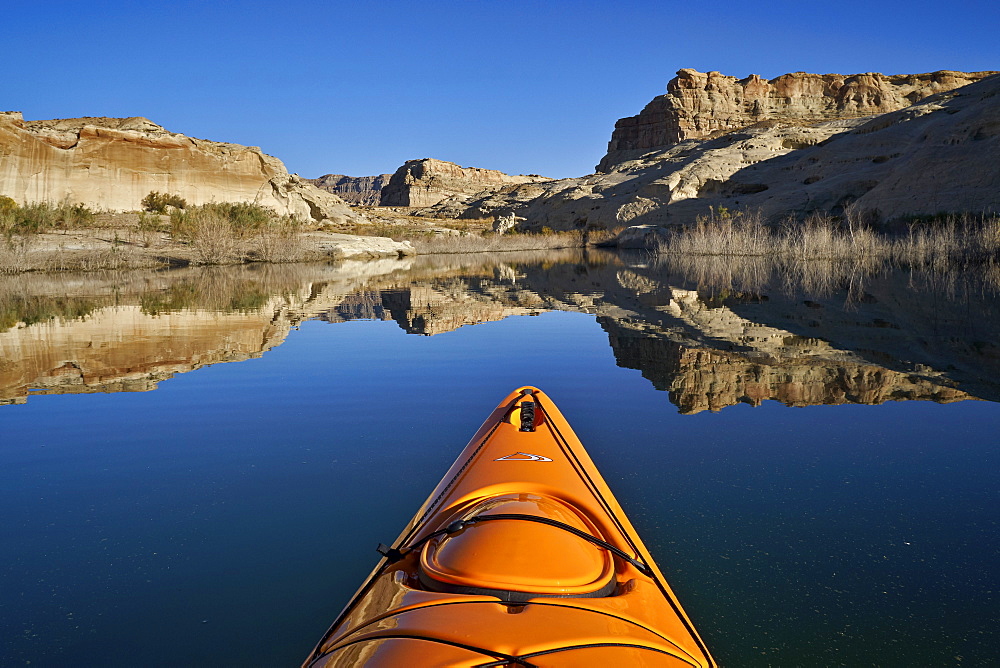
<point>699,105</point>
<point>363,190</point>
<point>938,155</point>
<point>426,182</point>
<point>112,163</point>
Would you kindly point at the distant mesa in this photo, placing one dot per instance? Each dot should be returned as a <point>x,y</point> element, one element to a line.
<point>112,163</point>
<point>425,182</point>
<point>421,183</point>
<point>358,190</point>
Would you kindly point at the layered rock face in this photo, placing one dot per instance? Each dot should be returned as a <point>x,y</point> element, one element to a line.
<point>112,163</point>
<point>698,105</point>
<point>426,182</point>
<point>938,155</point>
<point>363,190</point>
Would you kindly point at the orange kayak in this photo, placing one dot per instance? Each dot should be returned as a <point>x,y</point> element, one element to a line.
<point>521,556</point>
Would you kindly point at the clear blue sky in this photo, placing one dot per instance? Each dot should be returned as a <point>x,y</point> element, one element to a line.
<point>525,87</point>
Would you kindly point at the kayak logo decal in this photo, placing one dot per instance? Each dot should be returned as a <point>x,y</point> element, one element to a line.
<point>522,457</point>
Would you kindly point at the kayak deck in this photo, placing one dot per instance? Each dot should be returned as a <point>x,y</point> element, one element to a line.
<point>521,556</point>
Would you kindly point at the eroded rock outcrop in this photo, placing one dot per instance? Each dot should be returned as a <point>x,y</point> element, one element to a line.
<point>699,105</point>
<point>363,190</point>
<point>426,182</point>
<point>938,155</point>
<point>112,163</point>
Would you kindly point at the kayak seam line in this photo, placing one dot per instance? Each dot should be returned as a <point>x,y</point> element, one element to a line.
<point>406,636</point>
<point>600,497</point>
<point>548,602</point>
<point>531,655</point>
<point>416,526</point>
<point>455,477</point>
<point>571,454</point>
<point>656,633</point>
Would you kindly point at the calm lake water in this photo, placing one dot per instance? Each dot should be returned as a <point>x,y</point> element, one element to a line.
<point>196,466</point>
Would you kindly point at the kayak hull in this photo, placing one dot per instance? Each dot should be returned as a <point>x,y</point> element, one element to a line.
<point>521,556</point>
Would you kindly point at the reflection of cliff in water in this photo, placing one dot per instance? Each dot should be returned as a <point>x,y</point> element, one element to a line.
<point>710,337</point>
<point>709,379</point>
<point>855,337</point>
<point>127,332</point>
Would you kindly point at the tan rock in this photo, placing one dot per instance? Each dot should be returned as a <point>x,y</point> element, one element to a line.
<point>351,245</point>
<point>699,105</point>
<point>938,155</point>
<point>426,182</point>
<point>112,163</point>
<point>363,190</point>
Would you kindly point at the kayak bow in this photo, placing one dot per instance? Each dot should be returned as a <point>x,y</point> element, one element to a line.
<point>521,556</point>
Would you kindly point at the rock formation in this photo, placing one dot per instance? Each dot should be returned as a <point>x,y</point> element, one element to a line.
<point>363,190</point>
<point>112,163</point>
<point>699,105</point>
<point>938,155</point>
<point>426,182</point>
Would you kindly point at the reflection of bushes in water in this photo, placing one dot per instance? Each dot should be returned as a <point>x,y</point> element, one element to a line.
<point>757,274</point>
<point>177,297</point>
<point>958,281</point>
<point>242,296</point>
<point>245,288</point>
<point>248,296</point>
<point>224,289</point>
<point>34,309</point>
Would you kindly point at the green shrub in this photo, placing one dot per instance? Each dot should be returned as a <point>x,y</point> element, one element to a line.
<point>39,217</point>
<point>244,219</point>
<point>69,216</point>
<point>226,232</point>
<point>156,202</point>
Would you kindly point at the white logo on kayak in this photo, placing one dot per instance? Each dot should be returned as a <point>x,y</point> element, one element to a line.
<point>523,457</point>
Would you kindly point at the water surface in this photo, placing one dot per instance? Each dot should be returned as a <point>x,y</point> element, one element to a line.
<point>197,465</point>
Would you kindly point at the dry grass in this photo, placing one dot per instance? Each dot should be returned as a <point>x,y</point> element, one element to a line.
<point>18,254</point>
<point>823,255</point>
<point>819,237</point>
<point>214,241</point>
<point>278,243</point>
<point>14,253</point>
<point>232,233</point>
